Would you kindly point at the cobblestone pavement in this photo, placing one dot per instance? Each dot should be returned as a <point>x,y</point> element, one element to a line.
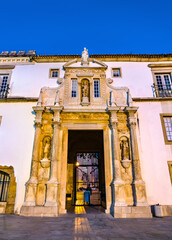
<point>83,224</point>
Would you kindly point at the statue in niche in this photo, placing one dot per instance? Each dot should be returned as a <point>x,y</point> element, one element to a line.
<point>46,147</point>
<point>125,149</point>
<point>85,88</point>
<point>46,152</point>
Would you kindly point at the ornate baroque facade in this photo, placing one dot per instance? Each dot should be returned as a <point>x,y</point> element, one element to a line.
<point>86,99</point>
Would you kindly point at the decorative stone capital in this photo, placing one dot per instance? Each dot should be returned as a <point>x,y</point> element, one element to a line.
<point>113,109</point>
<point>38,110</point>
<point>114,124</point>
<point>56,124</point>
<point>57,111</point>
<point>114,118</point>
<point>132,121</point>
<point>131,110</point>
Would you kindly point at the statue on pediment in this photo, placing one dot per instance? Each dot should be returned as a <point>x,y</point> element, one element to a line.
<point>85,56</point>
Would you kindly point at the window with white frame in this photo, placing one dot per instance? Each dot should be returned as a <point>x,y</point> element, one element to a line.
<point>166,120</point>
<point>74,88</point>
<point>96,88</point>
<point>163,85</point>
<point>116,72</point>
<point>54,73</point>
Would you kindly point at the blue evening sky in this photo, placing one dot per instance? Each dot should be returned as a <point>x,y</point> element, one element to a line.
<point>104,27</point>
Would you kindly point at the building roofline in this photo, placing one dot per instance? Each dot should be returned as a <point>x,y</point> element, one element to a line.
<point>106,57</point>
<point>100,57</point>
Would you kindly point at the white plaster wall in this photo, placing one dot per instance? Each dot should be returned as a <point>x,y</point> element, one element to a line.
<point>137,76</point>
<point>16,141</point>
<point>154,154</point>
<point>27,80</point>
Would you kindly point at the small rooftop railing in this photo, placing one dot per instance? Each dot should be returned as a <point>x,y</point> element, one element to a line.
<point>162,90</point>
<point>4,92</point>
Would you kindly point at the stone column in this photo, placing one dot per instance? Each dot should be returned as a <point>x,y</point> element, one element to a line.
<point>53,183</point>
<point>31,185</point>
<point>117,184</point>
<point>138,184</point>
<point>107,166</point>
<point>63,169</point>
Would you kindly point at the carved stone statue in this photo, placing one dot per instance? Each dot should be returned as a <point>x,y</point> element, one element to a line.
<point>125,150</point>
<point>46,147</point>
<point>85,92</point>
<point>85,56</point>
<point>85,88</point>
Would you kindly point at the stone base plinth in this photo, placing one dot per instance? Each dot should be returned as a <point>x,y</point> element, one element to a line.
<point>2,207</point>
<point>39,211</point>
<point>132,212</point>
<point>162,210</point>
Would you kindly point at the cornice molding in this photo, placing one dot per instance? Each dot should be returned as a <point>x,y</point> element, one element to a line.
<point>106,57</point>
<point>160,65</point>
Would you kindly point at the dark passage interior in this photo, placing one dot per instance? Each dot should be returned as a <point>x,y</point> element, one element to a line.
<point>85,170</point>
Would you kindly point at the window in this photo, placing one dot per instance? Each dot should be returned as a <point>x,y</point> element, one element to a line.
<point>163,85</point>
<point>74,88</point>
<point>4,185</point>
<point>4,85</point>
<point>166,120</point>
<point>116,72</point>
<point>54,73</point>
<point>96,88</point>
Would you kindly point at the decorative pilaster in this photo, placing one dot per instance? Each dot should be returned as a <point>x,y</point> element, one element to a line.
<point>117,184</point>
<point>53,183</point>
<point>138,183</point>
<point>31,187</point>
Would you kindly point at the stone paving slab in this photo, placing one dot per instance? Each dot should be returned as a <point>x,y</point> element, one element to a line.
<point>83,226</point>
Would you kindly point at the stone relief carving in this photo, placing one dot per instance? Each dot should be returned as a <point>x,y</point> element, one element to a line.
<point>85,116</point>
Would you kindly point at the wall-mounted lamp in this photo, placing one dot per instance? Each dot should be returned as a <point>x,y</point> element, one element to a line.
<point>77,164</point>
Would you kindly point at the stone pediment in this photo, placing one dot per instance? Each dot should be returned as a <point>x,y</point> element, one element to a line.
<point>85,62</point>
<point>77,63</point>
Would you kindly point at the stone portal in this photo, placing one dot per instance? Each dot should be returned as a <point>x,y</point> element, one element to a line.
<point>84,101</point>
